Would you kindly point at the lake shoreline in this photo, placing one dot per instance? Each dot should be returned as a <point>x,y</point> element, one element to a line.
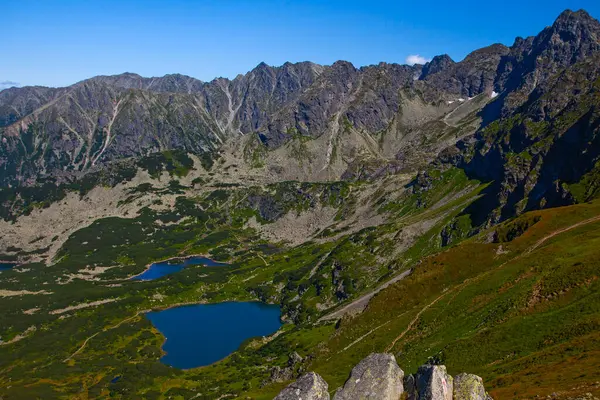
<point>149,265</point>
<point>165,323</point>
<point>8,265</point>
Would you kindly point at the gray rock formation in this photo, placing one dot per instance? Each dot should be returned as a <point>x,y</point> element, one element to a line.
<point>379,377</point>
<point>376,377</point>
<point>432,382</point>
<point>309,386</point>
<point>469,387</point>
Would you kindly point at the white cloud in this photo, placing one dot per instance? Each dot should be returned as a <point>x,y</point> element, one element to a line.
<point>416,59</point>
<point>7,84</point>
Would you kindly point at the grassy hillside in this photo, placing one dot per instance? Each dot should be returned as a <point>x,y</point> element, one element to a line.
<point>517,304</point>
<point>522,314</point>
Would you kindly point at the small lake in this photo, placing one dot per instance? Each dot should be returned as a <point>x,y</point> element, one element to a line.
<point>162,268</point>
<point>202,334</point>
<point>5,265</point>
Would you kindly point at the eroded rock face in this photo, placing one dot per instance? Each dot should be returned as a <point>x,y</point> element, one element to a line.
<point>469,387</point>
<point>309,386</point>
<point>376,377</point>
<point>433,383</point>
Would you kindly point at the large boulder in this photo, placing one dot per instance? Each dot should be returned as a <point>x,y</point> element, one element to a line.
<point>469,387</point>
<point>376,377</point>
<point>433,383</point>
<point>309,386</point>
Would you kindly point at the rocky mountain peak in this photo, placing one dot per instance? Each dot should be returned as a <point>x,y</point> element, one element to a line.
<point>301,97</point>
<point>569,17</point>
<point>437,64</point>
<point>578,28</point>
<point>343,65</point>
<point>262,69</point>
<point>494,50</point>
<point>572,37</point>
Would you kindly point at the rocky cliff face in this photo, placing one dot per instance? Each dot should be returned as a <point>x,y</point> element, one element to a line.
<point>475,74</point>
<point>537,156</point>
<point>572,38</point>
<point>378,377</point>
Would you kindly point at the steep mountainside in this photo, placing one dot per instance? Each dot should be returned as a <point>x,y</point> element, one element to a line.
<point>538,153</point>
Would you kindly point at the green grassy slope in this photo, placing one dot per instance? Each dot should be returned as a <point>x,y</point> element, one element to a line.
<point>522,314</point>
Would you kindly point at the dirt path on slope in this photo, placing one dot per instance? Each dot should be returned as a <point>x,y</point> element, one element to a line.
<point>137,314</point>
<point>362,302</point>
<point>85,342</point>
<point>469,280</point>
<point>563,230</point>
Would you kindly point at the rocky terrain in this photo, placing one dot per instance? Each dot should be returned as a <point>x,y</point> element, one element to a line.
<point>379,377</point>
<point>309,122</point>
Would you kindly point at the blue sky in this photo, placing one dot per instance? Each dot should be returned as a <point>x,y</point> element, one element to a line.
<point>57,43</point>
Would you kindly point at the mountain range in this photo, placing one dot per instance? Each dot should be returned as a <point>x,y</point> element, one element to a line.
<point>359,121</point>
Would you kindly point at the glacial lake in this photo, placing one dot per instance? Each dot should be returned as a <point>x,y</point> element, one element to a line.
<point>199,335</point>
<point>5,265</point>
<point>162,268</point>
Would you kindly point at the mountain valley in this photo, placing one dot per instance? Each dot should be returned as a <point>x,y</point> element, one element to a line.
<point>444,213</point>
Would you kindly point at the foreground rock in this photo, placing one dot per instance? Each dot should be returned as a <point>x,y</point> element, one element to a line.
<point>432,382</point>
<point>309,386</point>
<point>469,387</point>
<point>376,377</point>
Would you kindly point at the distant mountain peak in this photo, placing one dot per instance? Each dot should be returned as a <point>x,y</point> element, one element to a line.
<point>577,25</point>
<point>568,15</point>
<point>437,64</point>
<point>262,65</point>
<point>342,64</point>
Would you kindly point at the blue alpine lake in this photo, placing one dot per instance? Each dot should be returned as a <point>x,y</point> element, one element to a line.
<point>199,335</point>
<point>5,265</point>
<point>162,268</point>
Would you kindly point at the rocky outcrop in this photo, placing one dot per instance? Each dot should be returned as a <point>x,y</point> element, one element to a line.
<point>573,37</point>
<point>469,387</point>
<point>377,377</point>
<point>534,155</point>
<point>432,382</point>
<point>292,369</point>
<point>308,387</point>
